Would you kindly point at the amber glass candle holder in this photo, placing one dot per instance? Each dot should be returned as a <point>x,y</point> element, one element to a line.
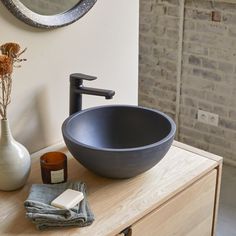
<point>53,167</point>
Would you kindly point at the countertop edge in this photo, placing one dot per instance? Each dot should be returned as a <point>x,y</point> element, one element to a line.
<point>60,146</point>
<point>198,151</point>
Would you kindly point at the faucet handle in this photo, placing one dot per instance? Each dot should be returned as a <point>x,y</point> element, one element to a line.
<point>76,79</point>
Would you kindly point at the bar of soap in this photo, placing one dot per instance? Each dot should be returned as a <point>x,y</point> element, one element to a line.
<point>68,199</point>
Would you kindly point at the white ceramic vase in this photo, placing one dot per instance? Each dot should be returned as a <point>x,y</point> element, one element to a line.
<point>15,161</point>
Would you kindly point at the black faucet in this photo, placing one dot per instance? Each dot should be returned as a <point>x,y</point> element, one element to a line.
<point>77,89</point>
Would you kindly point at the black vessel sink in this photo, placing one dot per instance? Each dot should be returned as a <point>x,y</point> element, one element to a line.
<point>118,141</point>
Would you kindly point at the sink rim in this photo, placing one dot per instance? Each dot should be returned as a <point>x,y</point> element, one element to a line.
<point>169,136</point>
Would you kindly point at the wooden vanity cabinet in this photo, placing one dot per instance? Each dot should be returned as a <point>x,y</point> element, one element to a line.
<point>177,197</point>
<point>189,213</point>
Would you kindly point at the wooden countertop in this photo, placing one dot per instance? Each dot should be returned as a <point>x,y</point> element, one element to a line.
<point>116,203</point>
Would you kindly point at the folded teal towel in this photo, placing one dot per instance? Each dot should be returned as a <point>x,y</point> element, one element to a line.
<point>41,213</point>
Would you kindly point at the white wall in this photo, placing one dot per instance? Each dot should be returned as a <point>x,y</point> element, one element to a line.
<point>103,43</point>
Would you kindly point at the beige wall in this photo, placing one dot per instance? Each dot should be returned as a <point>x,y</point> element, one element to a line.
<point>103,43</point>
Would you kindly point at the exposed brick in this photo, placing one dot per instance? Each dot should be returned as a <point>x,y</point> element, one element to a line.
<point>146,20</point>
<point>164,94</point>
<point>158,30</point>
<point>166,86</point>
<point>202,4</point>
<point>159,11</point>
<point>188,112</point>
<point>144,50</point>
<point>206,74</point>
<point>223,54</point>
<point>145,6</point>
<point>198,83</point>
<point>204,105</point>
<point>232,114</point>
<point>223,89</point>
<point>145,39</point>
<point>208,63</point>
<point>194,60</point>
<point>189,24</point>
<point>193,142</point>
<point>220,151</point>
<point>186,122</point>
<point>170,22</point>
<point>144,28</point>
<point>227,43</point>
<point>169,2</point>
<point>192,92</point>
<point>164,53</point>
<point>228,124</point>
<point>217,99</point>
<point>145,100</point>
<point>211,27</point>
<point>170,114</point>
<point>226,67</point>
<point>231,102</point>
<point>197,14</point>
<point>164,75</point>
<point>232,31</point>
<point>231,135</point>
<point>189,102</point>
<point>220,142</point>
<point>232,149</point>
<point>208,80</point>
<point>229,19</point>
<point>201,127</point>
<point>165,105</point>
<point>173,33</point>
<point>225,6</point>
<point>168,65</point>
<point>194,48</point>
<point>146,59</point>
<point>220,110</point>
<point>215,130</point>
<point>146,81</point>
<point>192,133</point>
<point>173,11</point>
<point>166,43</point>
<point>144,69</point>
<point>192,36</point>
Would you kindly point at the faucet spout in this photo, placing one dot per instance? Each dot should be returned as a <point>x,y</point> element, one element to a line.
<point>108,94</point>
<point>77,89</point>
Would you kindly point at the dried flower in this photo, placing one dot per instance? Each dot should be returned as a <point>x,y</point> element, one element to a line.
<point>6,66</point>
<point>10,49</point>
<point>10,56</point>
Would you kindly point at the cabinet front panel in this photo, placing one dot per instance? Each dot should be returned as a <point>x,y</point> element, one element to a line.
<point>190,213</point>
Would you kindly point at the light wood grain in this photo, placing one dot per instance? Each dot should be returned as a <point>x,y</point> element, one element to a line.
<point>198,151</point>
<point>217,198</point>
<point>190,213</point>
<point>116,204</point>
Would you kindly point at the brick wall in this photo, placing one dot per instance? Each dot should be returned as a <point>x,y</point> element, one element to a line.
<point>208,79</point>
<point>158,54</point>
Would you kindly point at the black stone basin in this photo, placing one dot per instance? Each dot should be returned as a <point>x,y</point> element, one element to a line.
<point>118,141</point>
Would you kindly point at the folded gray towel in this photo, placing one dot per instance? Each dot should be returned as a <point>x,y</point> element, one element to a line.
<point>39,210</point>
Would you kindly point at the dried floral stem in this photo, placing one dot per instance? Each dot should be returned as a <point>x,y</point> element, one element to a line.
<point>5,99</point>
<point>8,59</point>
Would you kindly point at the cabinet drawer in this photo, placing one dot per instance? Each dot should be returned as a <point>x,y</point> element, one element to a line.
<point>190,213</point>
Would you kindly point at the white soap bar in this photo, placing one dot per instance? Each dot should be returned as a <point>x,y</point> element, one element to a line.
<point>68,199</point>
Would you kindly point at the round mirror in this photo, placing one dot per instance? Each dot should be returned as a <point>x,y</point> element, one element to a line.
<point>49,13</point>
<point>50,7</point>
